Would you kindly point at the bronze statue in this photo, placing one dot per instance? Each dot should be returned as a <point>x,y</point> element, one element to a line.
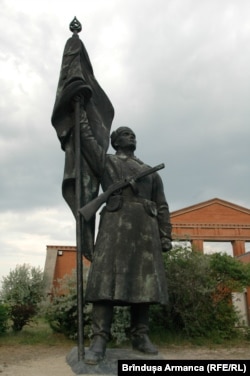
<point>127,266</point>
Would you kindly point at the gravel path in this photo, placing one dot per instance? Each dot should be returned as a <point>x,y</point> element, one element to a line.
<point>51,361</point>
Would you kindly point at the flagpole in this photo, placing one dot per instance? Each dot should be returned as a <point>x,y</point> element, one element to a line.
<point>75,26</point>
<point>79,240</point>
<point>76,86</point>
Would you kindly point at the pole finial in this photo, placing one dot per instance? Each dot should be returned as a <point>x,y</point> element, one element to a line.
<point>75,26</point>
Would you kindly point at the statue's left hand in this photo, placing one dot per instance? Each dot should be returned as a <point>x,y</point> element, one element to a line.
<point>88,256</point>
<point>166,245</point>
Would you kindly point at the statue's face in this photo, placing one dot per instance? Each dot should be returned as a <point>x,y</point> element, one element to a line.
<point>126,139</point>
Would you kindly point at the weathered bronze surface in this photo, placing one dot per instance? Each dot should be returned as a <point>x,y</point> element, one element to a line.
<point>78,84</point>
<point>127,266</point>
<point>126,258</point>
<point>134,226</point>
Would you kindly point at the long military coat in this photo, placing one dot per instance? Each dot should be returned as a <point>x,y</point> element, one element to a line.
<point>127,264</point>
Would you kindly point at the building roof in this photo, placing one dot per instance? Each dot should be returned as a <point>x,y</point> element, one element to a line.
<point>214,210</point>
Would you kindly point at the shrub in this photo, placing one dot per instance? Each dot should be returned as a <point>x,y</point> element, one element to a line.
<point>200,288</point>
<point>61,310</point>
<point>3,318</point>
<point>120,325</point>
<point>21,315</point>
<point>23,290</point>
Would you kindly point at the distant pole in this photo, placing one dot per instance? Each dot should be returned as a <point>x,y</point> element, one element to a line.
<point>76,28</point>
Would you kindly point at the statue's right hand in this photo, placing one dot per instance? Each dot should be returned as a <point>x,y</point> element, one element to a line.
<point>78,98</point>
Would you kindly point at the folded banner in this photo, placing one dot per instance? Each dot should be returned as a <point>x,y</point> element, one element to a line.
<point>77,78</point>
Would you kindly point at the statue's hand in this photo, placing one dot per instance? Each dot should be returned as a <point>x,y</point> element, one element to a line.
<point>88,256</point>
<point>79,97</point>
<point>166,245</point>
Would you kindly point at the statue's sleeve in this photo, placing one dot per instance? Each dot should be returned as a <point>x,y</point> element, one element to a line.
<point>162,209</point>
<point>93,152</point>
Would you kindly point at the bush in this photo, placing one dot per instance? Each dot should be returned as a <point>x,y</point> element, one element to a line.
<point>61,310</point>
<point>190,288</point>
<point>21,315</point>
<point>23,290</point>
<point>200,288</point>
<point>3,318</point>
<point>120,325</point>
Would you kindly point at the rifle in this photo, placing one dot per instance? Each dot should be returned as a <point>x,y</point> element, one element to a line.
<point>88,210</point>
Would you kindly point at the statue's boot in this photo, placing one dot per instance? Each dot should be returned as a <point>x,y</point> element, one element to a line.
<point>102,315</point>
<point>139,329</point>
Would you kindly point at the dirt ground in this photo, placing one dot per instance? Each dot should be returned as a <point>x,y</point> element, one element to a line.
<point>51,361</point>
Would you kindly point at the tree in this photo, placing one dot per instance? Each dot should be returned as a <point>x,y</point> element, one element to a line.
<point>23,289</point>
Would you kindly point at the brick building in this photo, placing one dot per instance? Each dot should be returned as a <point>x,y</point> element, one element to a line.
<point>60,261</point>
<point>217,220</point>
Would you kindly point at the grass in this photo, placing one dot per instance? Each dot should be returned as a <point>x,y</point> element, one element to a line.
<point>40,333</point>
<point>164,339</point>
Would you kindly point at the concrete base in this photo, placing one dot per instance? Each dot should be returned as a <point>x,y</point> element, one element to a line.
<point>108,366</point>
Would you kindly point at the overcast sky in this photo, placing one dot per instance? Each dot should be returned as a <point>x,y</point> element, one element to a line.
<point>176,71</point>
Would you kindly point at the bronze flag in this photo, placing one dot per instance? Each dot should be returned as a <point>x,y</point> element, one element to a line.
<point>77,77</point>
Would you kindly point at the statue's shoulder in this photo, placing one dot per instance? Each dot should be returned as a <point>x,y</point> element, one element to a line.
<point>121,158</point>
<point>115,157</point>
<point>111,157</point>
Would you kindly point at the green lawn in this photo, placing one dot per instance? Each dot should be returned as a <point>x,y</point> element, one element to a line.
<point>40,333</point>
